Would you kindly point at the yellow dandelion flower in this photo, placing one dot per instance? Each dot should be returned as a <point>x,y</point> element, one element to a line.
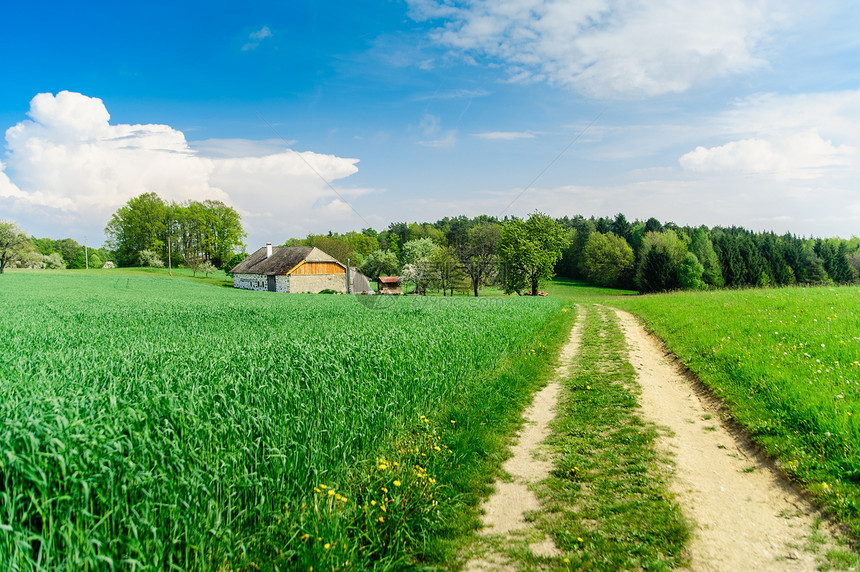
<point>331,493</point>
<point>323,487</point>
<point>316,489</point>
<point>432,480</point>
<point>305,536</point>
<point>373,503</point>
<point>382,506</point>
<point>381,519</point>
<point>327,546</point>
<point>437,448</point>
<point>384,490</point>
<point>567,560</point>
<point>396,483</point>
<point>579,538</point>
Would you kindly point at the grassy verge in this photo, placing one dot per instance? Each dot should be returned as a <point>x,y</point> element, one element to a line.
<point>787,363</point>
<point>607,502</point>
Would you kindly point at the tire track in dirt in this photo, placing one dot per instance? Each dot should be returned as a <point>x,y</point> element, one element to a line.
<point>504,517</point>
<point>745,515</point>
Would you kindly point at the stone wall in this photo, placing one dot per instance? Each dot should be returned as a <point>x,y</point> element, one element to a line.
<point>250,281</point>
<point>261,282</point>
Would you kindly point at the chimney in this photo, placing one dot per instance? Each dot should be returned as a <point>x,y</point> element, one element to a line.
<point>268,249</point>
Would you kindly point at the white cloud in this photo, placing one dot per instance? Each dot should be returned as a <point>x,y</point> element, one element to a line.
<point>255,38</point>
<point>801,137</point>
<point>799,156</point>
<point>68,161</point>
<point>505,135</point>
<point>611,47</point>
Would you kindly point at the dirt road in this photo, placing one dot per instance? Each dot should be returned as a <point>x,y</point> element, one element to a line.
<point>744,514</point>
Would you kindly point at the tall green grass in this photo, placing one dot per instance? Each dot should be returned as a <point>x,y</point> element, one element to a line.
<point>787,361</point>
<point>155,424</point>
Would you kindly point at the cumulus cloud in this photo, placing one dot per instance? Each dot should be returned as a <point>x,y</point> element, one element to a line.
<point>785,137</point>
<point>70,161</point>
<point>610,48</point>
<point>799,156</point>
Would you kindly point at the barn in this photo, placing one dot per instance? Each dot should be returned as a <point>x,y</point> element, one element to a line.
<point>290,269</point>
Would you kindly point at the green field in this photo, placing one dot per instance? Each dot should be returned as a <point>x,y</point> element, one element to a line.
<point>787,363</point>
<point>153,423</point>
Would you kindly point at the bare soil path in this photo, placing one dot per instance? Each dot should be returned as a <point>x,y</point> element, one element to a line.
<point>505,512</point>
<point>745,515</point>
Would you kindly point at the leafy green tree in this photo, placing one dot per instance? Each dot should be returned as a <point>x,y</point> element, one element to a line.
<point>529,250</point>
<point>96,260</point>
<point>417,249</point>
<point>658,273</point>
<point>362,243</point>
<point>210,230</point>
<point>447,274</point>
<point>813,271</point>
<point>136,226</point>
<point>13,243</point>
<point>53,261</point>
<point>479,256</point>
<point>690,273</point>
<point>607,259</point>
<point>703,248</point>
<point>379,263</point>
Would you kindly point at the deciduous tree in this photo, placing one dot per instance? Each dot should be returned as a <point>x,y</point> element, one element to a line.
<point>13,241</point>
<point>529,250</point>
<point>607,259</point>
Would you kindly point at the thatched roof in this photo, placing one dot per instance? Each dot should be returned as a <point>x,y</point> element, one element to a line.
<point>282,260</point>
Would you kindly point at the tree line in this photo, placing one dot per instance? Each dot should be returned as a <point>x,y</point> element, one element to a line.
<point>20,250</point>
<point>465,254</point>
<point>147,231</point>
<point>652,257</point>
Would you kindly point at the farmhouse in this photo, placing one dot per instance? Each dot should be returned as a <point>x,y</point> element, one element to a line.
<point>290,269</point>
<point>390,285</point>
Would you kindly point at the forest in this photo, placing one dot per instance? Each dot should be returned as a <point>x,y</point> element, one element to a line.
<point>648,256</point>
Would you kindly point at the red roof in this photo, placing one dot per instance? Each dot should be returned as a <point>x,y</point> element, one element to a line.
<point>389,279</point>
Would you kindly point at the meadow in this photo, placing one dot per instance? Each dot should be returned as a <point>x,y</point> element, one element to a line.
<point>787,364</point>
<point>151,423</point>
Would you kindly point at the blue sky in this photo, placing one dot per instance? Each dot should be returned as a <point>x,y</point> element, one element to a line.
<point>310,116</point>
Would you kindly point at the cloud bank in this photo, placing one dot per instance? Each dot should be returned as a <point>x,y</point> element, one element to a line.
<point>609,48</point>
<point>68,162</point>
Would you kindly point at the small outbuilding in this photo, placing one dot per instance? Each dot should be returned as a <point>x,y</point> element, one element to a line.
<point>390,285</point>
<point>290,269</point>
